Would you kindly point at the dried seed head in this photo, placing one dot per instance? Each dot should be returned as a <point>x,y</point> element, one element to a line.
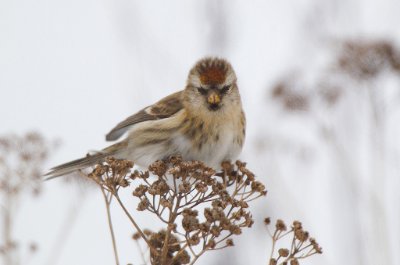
<point>248,220</point>
<point>159,187</point>
<point>227,166</point>
<point>205,227</point>
<point>136,236</point>
<point>218,187</point>
<point>243,204</point>
<point>234,229</point>
<point>33,247</point>
<point>301,235</point>
<point>316,246</point>
<point>139,175</point>
<point>134,175</point>
<point>238,215</point>
<point>165,203</point>
<point>219,204</point>
<point>157,240</point>
<point>283,252</point>
<point>175,160</point>
<point>158,168</point>
<point>184,187</point>
<point>215,230</point>
<point>211,244</point>
<point>280,225</point>
<point>190,212</point>
<point>297,225</point>
<point>258,186</point>
<point>217,214</point>
<point>123,183</point>
<point>182,258</point>
<point>208,215</point>
<point>201,187</point>
<point>172,227</point>
<point>147,232</point>
<point>194,240</point>
<point>140,191</point>
<point>273,262</point>
<point>143,204</point>
<point>190,223</point>
<point>229,243</point>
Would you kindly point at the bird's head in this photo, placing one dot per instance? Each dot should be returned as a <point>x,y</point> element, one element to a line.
<point>211,85</point>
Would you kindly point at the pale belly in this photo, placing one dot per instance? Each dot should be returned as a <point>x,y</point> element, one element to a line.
<point>212,152</point>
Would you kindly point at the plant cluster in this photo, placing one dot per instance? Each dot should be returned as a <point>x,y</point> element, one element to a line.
<point>302,245</point>
<point>200,209</point>
<point>367,59</point>
<point>356,60</point>
<point>21,161</point>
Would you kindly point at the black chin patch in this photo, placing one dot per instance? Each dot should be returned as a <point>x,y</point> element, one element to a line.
<point>214,107</point>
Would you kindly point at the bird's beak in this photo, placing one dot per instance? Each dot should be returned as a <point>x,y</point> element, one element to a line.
<point>213,98</point>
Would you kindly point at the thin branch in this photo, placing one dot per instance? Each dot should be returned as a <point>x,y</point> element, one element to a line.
<point>134,223</point>
<point>107,202</point>
<point>140,251</point>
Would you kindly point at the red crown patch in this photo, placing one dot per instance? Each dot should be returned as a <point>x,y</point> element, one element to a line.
<point>213,75</point>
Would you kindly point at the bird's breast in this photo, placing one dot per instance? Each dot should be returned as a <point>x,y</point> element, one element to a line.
<point>209,141</point>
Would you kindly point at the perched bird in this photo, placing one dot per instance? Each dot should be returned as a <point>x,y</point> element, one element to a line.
<point>203,122</point>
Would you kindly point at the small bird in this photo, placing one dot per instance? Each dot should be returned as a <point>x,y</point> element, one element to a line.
<point>204,122</point>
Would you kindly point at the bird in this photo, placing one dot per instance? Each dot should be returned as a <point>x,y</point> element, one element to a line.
<point>205,121</point>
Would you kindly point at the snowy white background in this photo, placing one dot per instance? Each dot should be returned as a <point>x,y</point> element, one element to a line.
<point>73,69</point>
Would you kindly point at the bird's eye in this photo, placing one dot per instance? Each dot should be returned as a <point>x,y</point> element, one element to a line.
<point>202,90</point>
<point>226,89</point>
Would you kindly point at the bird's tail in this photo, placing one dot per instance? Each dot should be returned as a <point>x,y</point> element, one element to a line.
<point>85,162</point>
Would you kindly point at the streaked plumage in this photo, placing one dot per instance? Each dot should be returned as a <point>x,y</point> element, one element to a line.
<point>203,122</point>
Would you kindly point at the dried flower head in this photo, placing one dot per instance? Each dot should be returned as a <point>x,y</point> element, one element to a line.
<point>283,252</point>
<point>280,225</point>
<point>200,208</point>
<point>291,96</point>
<point>21,161</point>
<point>367,59</point>
<point>302,246</point>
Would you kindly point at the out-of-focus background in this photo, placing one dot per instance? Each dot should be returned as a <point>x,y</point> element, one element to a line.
<point>320,84</point>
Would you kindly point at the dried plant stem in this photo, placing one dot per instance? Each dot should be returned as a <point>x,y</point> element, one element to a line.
<point>273,245</point>
<point>7,221</point>
<point>171,220</point>
<point>107,202</point>
<point>61,238</point>
<point>141,252</point>
<point>197,256</point>
<point>183,248</point>
<point>134,223</point>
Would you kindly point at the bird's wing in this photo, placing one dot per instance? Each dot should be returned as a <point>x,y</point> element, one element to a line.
<point>164,108</point>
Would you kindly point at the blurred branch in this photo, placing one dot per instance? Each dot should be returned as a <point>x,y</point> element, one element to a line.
<point>61,238</point>
<point>354,77</point>
<point>21,161</point>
